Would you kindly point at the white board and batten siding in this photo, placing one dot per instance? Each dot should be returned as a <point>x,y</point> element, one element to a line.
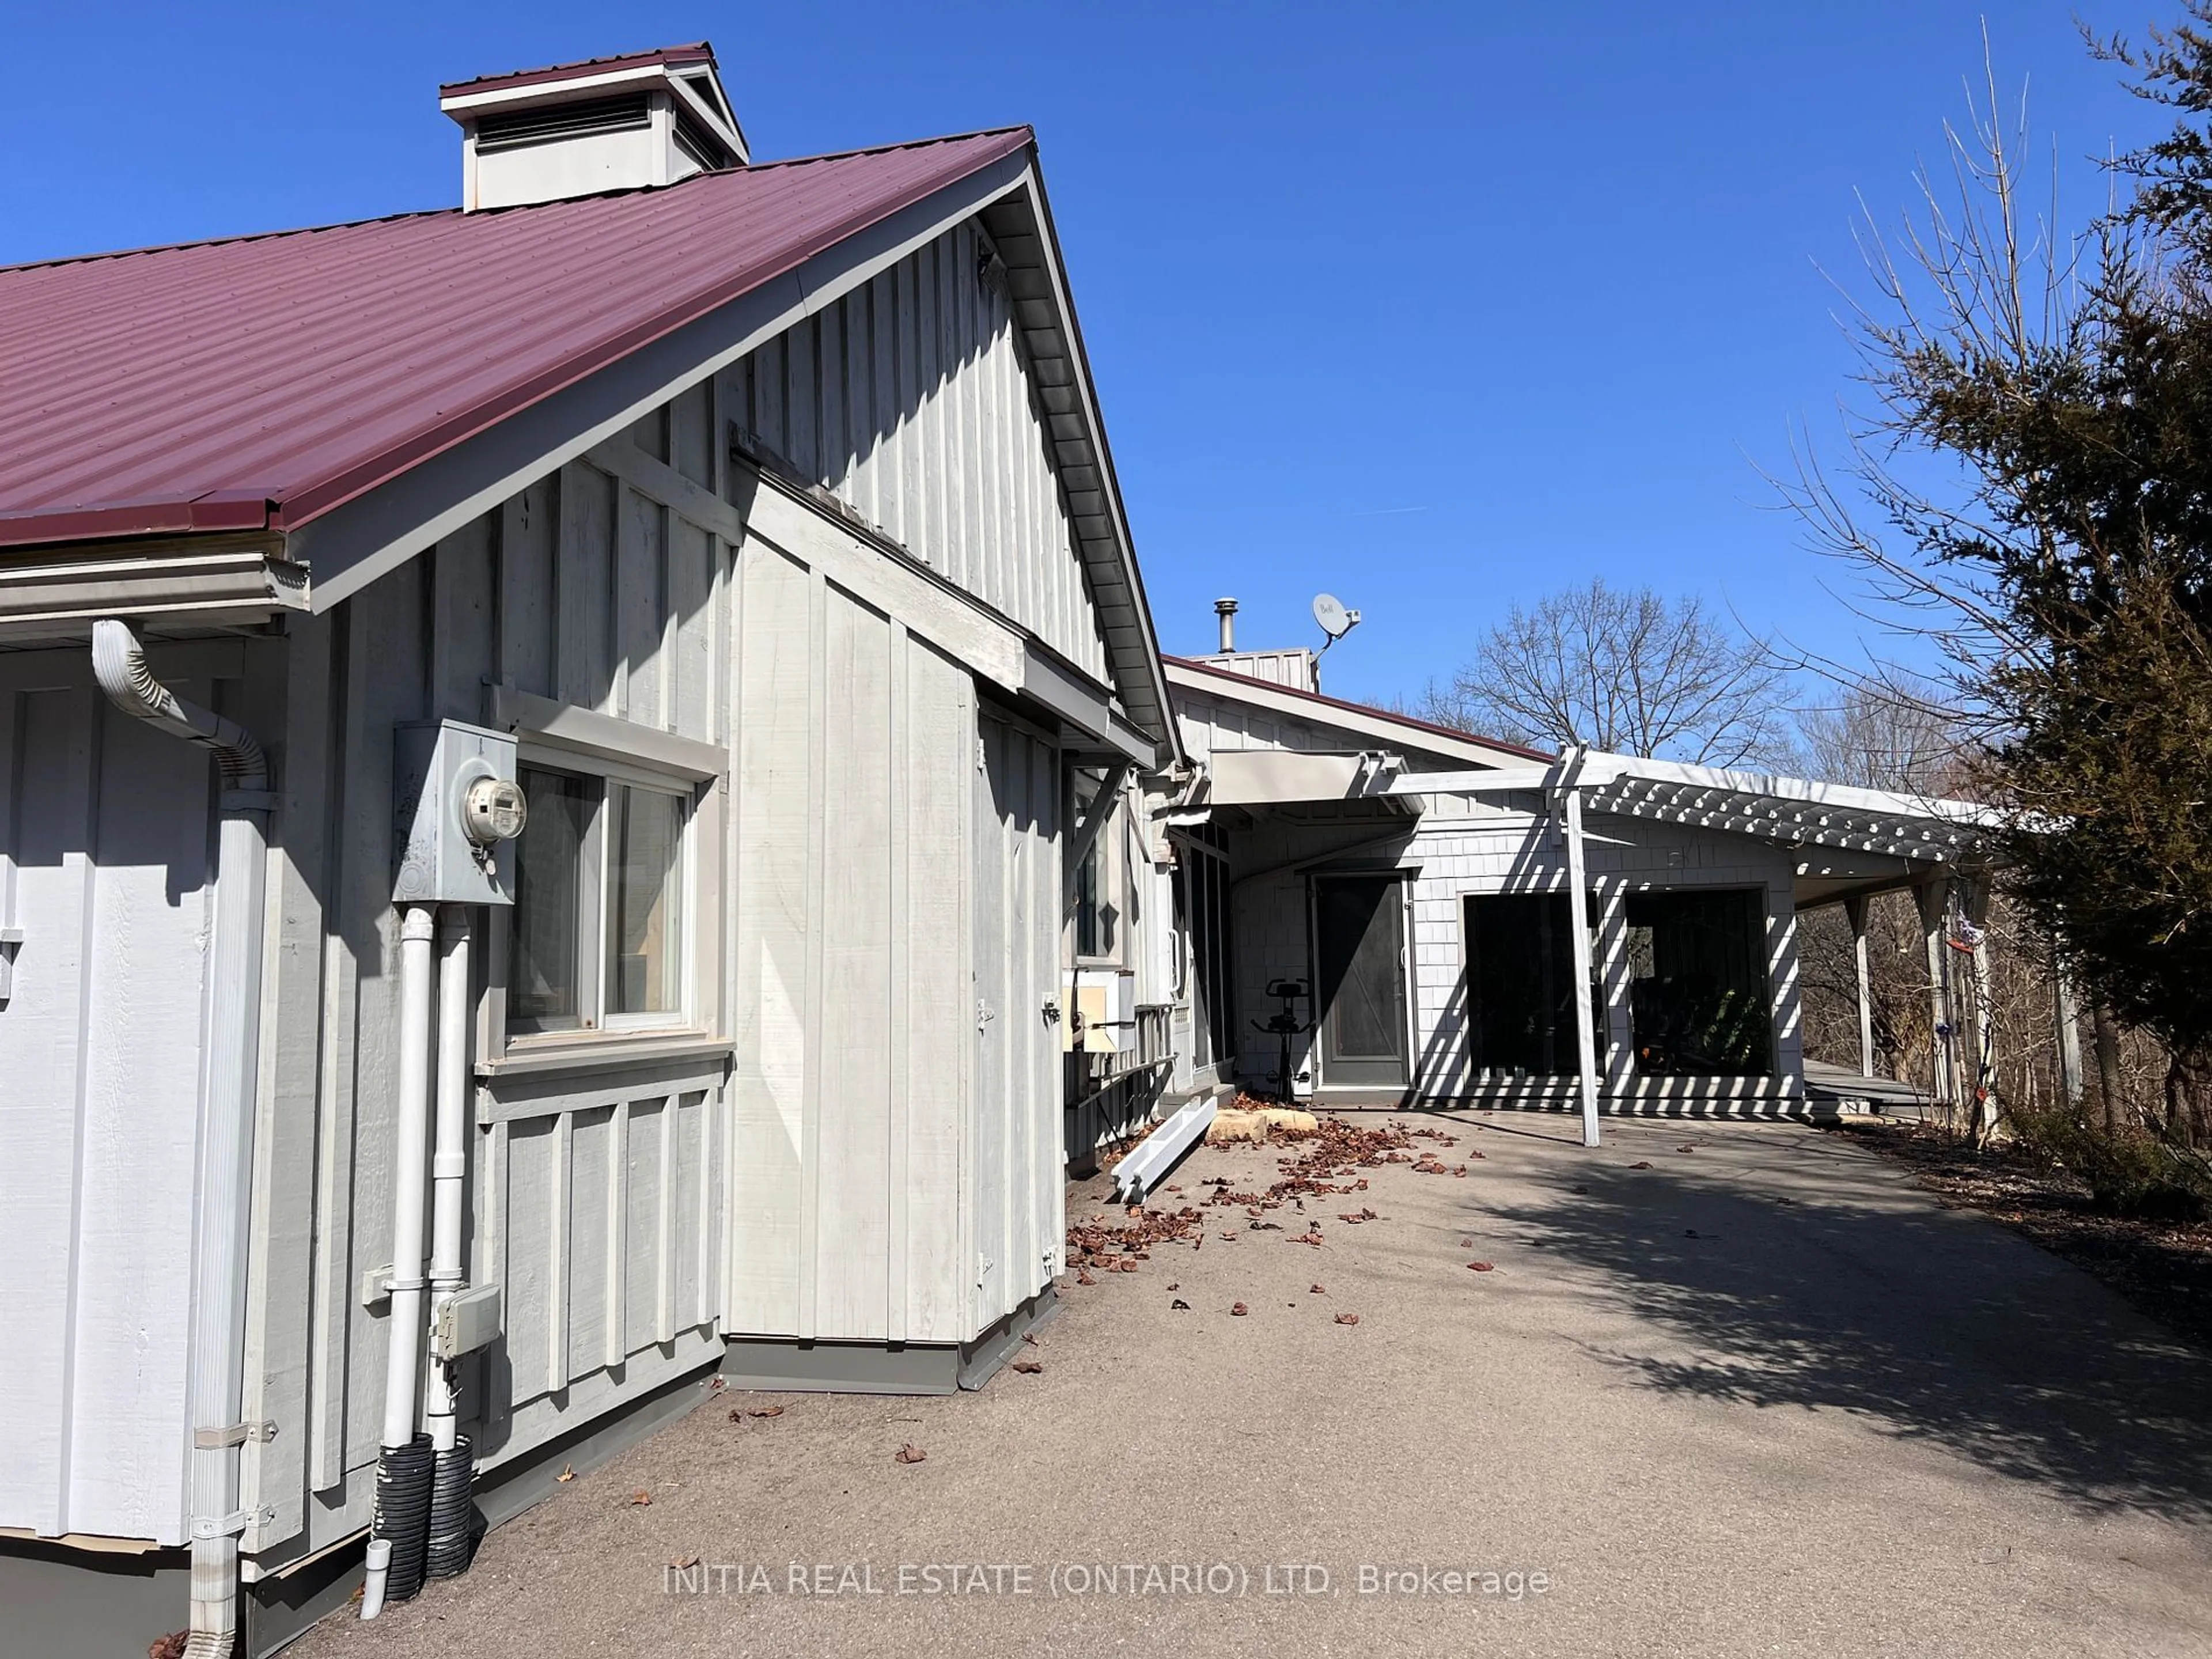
<point>909,398</point>
<point>856,743</point>
<point>595,1193</point>
<point>105,864</point>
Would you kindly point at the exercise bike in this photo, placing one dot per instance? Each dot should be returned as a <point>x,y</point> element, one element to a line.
<point>1284,1024</point>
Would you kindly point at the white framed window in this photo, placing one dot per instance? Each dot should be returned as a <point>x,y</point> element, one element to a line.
<point>600,934</point>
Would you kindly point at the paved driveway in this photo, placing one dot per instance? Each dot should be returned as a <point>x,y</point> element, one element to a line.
<point>1760,1397</point>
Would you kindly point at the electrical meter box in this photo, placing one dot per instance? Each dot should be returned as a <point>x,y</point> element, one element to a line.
<point>457,810</point>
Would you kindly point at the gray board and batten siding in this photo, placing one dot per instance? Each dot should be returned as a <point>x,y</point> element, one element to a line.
<point>831,1143</point>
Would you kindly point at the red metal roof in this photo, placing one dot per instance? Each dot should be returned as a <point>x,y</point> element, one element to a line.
<point>695,52</point>
<point>266,380</point>
<point>1368,709</point>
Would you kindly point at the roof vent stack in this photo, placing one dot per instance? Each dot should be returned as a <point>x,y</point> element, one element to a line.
<point>651,118</point>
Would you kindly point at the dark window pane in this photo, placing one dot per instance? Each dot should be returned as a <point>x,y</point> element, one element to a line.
<point>1697,984</point>
<point>645,939</point>
<point>544,982</point>
<point>1520,985</point>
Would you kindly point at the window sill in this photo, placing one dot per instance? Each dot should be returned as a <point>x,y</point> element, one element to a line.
<point>600,1052</point>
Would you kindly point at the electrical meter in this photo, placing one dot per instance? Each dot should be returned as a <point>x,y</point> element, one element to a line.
<point>493,810</point>
<point>457,810</point>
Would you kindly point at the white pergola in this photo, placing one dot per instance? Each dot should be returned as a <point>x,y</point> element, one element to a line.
<point>1869,841</point>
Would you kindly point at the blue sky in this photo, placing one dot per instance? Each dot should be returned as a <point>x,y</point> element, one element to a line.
<point>1437,308</point>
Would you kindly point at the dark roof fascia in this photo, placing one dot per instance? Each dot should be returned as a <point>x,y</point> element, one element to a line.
<point>352,543</point>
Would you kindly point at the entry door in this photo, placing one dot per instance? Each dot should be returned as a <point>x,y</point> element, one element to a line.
<point>1017,1177</point>
<point>1359,936</point>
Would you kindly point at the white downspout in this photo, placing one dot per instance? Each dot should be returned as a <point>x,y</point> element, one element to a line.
<point>404,1326</point>
<point>214,1380</point>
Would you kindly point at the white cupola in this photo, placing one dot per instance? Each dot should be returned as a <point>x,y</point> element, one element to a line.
<point>650,117</point>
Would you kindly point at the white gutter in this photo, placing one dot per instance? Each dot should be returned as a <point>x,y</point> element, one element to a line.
<point>215,1379</point>
<point>1156,1154</point>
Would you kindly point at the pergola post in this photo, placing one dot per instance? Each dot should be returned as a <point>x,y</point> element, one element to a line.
<point>1980,1089</point>
<point>1578,925</point>
<point>2067,1007</point>
<point>1855,909</point>
<point>1934,897</point>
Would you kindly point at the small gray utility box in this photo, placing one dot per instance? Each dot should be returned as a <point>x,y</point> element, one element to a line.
<point>457,810</point>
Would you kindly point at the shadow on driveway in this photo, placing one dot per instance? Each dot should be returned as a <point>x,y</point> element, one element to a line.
<point>1795,1272</point>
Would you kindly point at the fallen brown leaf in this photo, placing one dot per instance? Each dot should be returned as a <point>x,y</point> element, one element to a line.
<point>1466,1243</point>
<point>1348,1319</point>
<point>1238,1310</point>
<point>1175,1287</point>
<point>1084,1278</point>
<point>567,1473</point>
<point>683,1561</point>
<point>1028,1367</point>
<point>1481,1267</point>
<point>1030,1337</point>
<point>768,1410</point>
<point>908,1454</point>
<point>171,1646</point>
<point>1639,1166</point>
<point>640,1498</point>
<point>1686,1149</point>
<point>1318,1289</point>
<point>1179,1305</point>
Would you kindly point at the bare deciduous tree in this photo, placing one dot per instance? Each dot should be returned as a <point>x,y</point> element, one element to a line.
<point>1626,671</point>
<point>1888,731</point>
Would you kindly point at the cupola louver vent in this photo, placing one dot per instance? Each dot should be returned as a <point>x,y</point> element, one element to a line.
<point>630,123</point>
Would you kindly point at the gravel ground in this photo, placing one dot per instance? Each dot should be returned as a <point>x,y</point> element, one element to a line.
<point>1729,1389</point>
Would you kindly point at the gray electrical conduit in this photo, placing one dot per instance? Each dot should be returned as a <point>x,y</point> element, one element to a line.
<point>215,1377</point>
<point>447,1552</point>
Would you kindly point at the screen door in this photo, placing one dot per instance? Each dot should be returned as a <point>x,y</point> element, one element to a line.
<point>1359,929</point>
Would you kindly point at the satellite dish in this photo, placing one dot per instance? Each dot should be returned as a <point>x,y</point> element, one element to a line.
<point>1335,621</point>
